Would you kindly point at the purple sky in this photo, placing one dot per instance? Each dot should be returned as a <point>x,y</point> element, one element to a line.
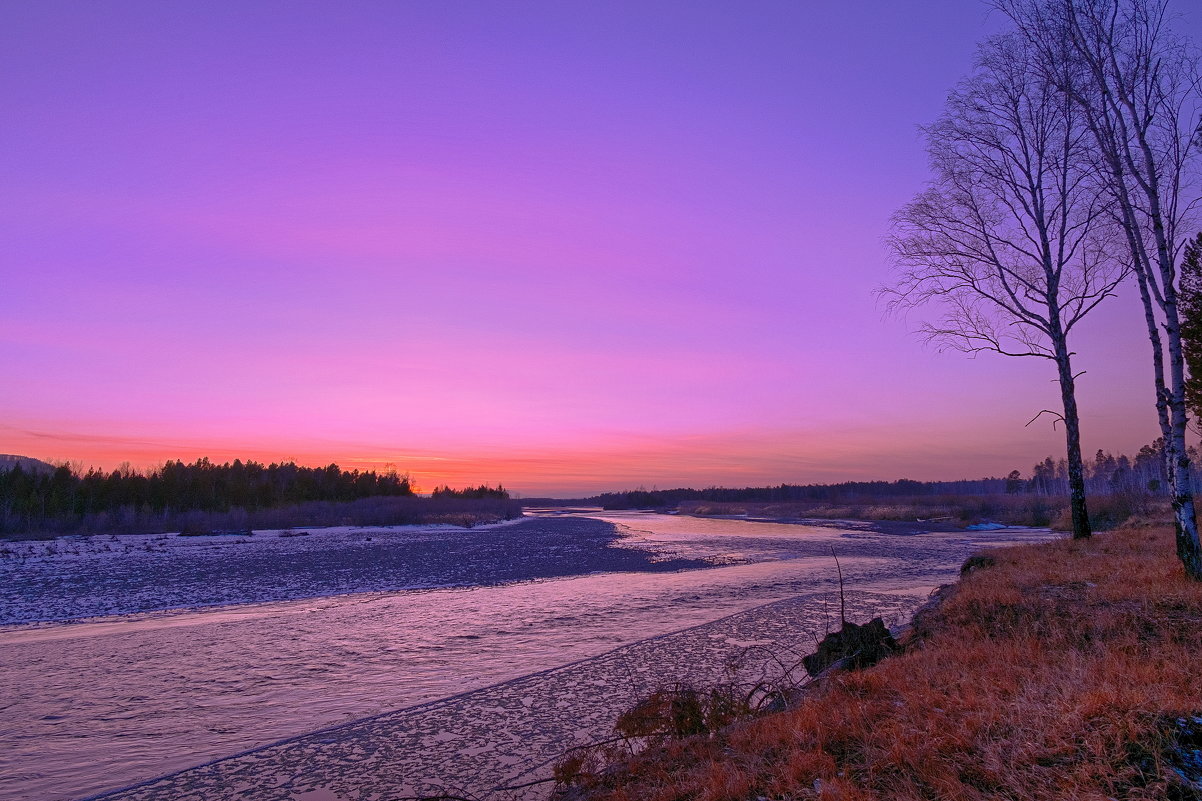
<point>567,246</point>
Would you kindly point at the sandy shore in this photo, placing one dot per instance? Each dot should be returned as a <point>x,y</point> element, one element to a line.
<point>512,732</point>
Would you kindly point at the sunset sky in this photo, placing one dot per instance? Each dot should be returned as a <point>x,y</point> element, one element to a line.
<point>567,246</point>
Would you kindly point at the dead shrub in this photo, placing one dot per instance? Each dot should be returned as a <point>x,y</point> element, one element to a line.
<point>682,711</point>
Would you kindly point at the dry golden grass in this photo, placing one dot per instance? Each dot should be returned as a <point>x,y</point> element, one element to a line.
<point>1047,676</point>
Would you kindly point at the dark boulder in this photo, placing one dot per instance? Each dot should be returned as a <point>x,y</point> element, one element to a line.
<point>852,647</point>
<point>1184,758</point>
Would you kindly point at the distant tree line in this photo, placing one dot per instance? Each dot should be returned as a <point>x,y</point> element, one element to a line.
<point>34,500</point>
<point>1106,474</point>
<point>482,491</point>
<point>782,493</point>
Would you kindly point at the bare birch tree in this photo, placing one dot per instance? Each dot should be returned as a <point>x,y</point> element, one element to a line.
<point>1136,84</point>
<point>1011,240</point>
<point>1189,297</point>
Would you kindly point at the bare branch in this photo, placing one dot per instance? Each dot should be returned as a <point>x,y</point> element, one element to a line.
<point>1057,415</point>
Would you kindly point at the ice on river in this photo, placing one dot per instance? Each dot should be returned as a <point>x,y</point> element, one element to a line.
<point>78,577</point>
<point>272,637</point>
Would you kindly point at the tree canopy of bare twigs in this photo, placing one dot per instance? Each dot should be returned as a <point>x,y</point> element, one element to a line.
<point>1190,297</point>
<point>1136,84</point>
<point>1011,244</point>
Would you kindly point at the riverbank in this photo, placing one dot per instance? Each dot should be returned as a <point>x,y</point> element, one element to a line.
<point>1059,671</point>
<point>910,515</point>
<point>375,512</point>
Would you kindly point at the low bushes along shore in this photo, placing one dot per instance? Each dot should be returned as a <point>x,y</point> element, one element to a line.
<point>1105,511</point>
<point>374,511</point>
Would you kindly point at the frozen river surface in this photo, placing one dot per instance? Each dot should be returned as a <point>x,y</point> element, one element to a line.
<point>169,652</point>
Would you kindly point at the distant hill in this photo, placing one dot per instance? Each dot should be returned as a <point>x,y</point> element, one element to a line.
<point>29,465</point>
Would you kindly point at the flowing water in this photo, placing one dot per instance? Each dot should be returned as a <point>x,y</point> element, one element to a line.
<point>182,650</point>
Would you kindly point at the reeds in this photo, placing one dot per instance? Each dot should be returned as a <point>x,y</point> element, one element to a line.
<point>1026,509</point>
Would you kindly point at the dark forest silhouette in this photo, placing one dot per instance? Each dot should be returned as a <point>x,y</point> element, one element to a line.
<point>482,491</point>
<point>1105,474</point>
<point>204,496</point>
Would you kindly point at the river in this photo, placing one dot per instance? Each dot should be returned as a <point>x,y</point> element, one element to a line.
<point>128,659</point>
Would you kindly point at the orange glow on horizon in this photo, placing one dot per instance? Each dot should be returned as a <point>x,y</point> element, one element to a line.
<point>735,459</point>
